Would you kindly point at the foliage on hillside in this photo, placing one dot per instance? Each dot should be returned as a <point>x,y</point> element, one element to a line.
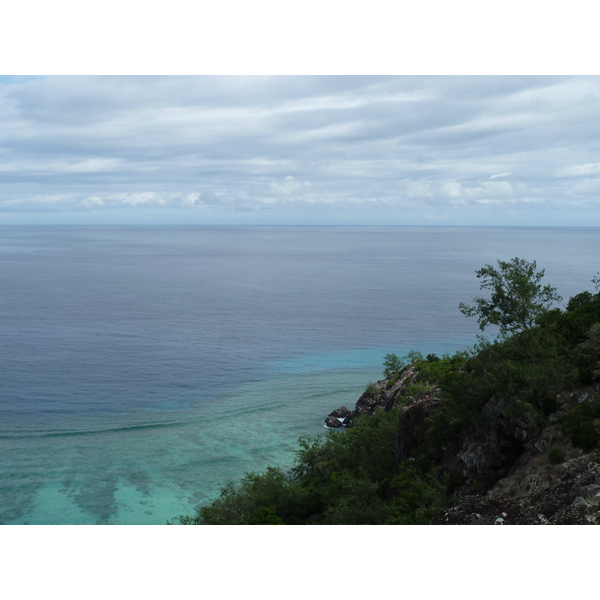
<point>350,477</point>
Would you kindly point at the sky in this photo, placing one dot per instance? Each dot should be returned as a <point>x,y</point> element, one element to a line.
<point>300,150</point>
<point>296,150</point>
<point>461,119</point>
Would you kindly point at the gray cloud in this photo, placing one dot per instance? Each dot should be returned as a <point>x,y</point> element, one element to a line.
<point>488,150</point>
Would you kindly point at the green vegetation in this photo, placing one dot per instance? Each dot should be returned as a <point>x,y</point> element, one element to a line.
<point>392,365</point>
<point>517,296</point>
<point>346,478</point>
<point>352,476</point>
<point>371,390</point>
<point>581,425</point>
<point>594,346</point>
<point>556,456</point>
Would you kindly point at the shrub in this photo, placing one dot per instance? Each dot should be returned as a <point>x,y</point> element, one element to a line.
<point>372,390</point>
<point>266,515</point>
<point>418,497</point>
<point>581,427</point>
<point>392,365</point>
<point>416,388</point>
<point>556,456</point>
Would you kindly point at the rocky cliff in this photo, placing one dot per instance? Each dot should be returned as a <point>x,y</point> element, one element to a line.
<point>383,395</point>
<point>513,469</point>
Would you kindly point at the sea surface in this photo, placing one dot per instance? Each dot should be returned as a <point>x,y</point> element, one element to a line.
<point>142,368</point>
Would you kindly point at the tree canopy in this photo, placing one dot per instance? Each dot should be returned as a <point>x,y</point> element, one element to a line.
<point>517,298</point>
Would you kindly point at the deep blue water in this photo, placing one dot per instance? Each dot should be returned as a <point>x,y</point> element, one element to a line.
<point>142,368</point>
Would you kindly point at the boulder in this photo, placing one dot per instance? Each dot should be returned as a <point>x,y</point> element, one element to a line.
<point>349,418</point>
<point>340,412</point>
<point>489,457</point>
<point>333,422</point>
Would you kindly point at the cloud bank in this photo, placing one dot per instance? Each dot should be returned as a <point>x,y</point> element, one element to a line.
<point>375,150</point>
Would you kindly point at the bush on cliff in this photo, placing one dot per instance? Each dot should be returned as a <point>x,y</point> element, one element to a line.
<point>527,370</point>
<point>393,365</point>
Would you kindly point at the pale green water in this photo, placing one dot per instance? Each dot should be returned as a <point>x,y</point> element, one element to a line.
<point>184,465</point>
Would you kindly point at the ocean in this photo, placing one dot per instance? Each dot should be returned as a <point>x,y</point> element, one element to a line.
<point>142,368</point>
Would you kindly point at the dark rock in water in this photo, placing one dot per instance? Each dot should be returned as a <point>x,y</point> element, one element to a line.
<point>348,419</point>
<point>340,412</point>
<point>333,422</point>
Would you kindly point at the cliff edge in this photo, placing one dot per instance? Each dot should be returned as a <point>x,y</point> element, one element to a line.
<point>512,470</point>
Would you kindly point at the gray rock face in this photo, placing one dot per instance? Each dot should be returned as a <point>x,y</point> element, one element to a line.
<point>476,510</point>
<point>481,456</point>
<point>565,494</point>
<point>333,422</point>
<point>535,490</point>
<point>548,439</point>
<point>489,456</point>
<point>340,413</point>
<point>412,426</point>
<point>509,455</point>
<point>386,393</point>
<point>383,395</point>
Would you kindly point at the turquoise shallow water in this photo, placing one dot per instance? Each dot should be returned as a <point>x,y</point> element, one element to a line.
<point>154,471</point>
<point>143,368</point>
<point>148,474</point>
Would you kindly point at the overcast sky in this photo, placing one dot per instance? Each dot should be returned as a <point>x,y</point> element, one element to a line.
<point>400,150</point>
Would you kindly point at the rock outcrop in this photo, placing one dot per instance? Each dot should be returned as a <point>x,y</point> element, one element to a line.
<point>512,458</point>
<point>383,395</point>
<point>413,426</point>
<point>564,494</point>
<point>340,413</point>
<point>477,510</point>
<point>484,457</point>
<point>333,422</point>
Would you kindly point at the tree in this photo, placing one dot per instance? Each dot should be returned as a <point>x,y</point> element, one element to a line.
<point>267,515</point>
<point>392,365</point>
<point>518,297</point>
